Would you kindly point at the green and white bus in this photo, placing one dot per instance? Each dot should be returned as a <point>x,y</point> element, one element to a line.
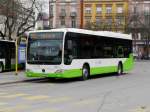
<point>7,55</point>
<point>69,53</point>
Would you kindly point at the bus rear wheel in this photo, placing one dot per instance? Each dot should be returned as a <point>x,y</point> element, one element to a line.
<point>1,67</point>
<point>85,72</point>
<point>120,69</point>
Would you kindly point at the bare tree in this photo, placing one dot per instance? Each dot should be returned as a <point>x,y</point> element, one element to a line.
<point>19,16</point>
<point>139,23</point>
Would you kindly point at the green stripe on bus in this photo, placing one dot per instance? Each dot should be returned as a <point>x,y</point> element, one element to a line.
<point>101,70</point>
<point>73,72</point>
<point>66,74</point>
<point>127,65</point>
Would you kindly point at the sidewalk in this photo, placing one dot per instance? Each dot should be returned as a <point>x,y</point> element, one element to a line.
<point>10,77</point>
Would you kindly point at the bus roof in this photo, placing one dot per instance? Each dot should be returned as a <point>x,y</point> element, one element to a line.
<point>90,32</point>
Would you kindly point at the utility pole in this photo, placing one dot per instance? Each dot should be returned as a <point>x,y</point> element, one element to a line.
<point>81,14</point>
<point>134,27</point>
<point>147,24</point>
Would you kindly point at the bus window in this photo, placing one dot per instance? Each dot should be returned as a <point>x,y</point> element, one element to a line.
<point>108,52</point>
<point>1,51</point>
<point>98,48</point>
<point>68,50</point>
<point>120,52</point>
<point>0,54</point>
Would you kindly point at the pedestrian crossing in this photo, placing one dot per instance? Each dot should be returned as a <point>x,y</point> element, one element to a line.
<point>14,95</point>
<point>24,102</point>
<point>3,103</point>
<point>38,97</point>
<point>27,102</point>
<point>140,109</point>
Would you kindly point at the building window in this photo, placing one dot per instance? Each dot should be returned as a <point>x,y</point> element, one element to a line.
<point>73,23</point>
<point>73,8</point>
<point>62,10</point>
<point>119,21</point>
<point>73,0</point>
<point>51,8</point>
<point>147,15</point>
<point>99,10</point>
<point>62,22</point>
<point>147,10</point>
<point>63,7</point>
<point>63,0</point>
<point>98,21</point>
<point>88,10</point>
<point>51,23</point>
<point>108,9</point>
<point>120,9</point>
<point>109,21</point>
<point>87,20</point>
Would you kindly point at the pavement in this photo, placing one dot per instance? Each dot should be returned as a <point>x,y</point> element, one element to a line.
<point>110,93</point>
<point>11,77</point>
<point>7,77</point>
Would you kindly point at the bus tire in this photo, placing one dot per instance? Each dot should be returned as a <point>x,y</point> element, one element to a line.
<point>85,72</point>
<point>1,67</point>
<point>120,69</point>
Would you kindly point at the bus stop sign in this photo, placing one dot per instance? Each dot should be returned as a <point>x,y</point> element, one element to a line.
<point>21,54</point>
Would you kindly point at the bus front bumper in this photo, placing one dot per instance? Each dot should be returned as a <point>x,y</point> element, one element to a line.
<point>42,75</point>
<point>65,74</point>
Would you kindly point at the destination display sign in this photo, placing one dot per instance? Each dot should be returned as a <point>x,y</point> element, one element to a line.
<point>46,35</point>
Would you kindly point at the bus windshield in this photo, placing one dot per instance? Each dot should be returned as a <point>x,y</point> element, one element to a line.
<point>45,50</point>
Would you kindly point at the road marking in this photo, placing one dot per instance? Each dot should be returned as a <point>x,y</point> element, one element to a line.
<point>59,99</point>
<point>140,109</point>
<point>3,93</point>
<point>14,95</point>
<point>3,103</point>
<point>47,110</point>
<point>18,108</point>
<point>86,102</point>
<point>39,97</point>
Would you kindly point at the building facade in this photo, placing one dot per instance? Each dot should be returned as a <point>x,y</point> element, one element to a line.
<point>108,15</point>
<point>64,13</point>
<point>139,26</point>
<point>42,21</point>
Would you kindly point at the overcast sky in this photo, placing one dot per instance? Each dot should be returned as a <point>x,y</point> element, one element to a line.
<point>45,4</point>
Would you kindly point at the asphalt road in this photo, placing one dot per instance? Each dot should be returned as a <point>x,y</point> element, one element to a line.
<point>110,93</point>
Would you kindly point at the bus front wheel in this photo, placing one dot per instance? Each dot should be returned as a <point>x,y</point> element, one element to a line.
<point>1,67</point>
<point>85,72</point>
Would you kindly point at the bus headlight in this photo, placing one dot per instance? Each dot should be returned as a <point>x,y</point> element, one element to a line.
<point>60,71</point>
